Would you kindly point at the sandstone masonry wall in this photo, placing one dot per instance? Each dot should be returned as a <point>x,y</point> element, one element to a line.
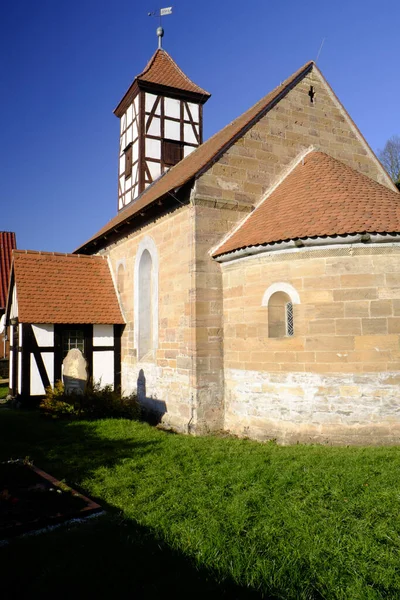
<point>169,375</point>
<point>337,378</point>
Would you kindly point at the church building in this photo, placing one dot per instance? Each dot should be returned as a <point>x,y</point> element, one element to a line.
<point>254,278</point>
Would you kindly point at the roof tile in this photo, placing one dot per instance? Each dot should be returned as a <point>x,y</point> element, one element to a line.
<point>64,288</point>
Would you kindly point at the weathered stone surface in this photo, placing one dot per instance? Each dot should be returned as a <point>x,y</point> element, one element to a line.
<point>75,373</point>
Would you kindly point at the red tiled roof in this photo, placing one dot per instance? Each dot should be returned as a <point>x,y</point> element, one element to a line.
<point>320,197</point>
<point>7,245</point>
<point>162,70</point>
<point>201,158</point>
<point>64,288</point>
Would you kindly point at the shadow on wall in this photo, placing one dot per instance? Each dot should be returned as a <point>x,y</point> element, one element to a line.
<point>153,410</point>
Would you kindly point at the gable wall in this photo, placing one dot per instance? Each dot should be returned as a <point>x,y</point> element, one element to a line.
<point>258,159</point>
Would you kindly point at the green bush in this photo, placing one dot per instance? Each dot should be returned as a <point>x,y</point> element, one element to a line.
<point>97,402</point>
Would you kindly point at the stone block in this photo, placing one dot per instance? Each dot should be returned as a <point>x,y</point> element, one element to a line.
<point>323,326</point>
<point>374,326</point>
<point>350,294</point>
<point>329,343</point>
<point>364,280</point>
<point>348,326</point>
<point>357,309</point>
<point>393,324</point>
<point>380,308</point>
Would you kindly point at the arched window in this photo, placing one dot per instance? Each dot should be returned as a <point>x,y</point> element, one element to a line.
<point>146,300</point>
<point>145,305</point>
<point>280,298</point>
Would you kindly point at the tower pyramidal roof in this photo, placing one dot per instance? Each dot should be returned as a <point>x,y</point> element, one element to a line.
<point>162,72</point>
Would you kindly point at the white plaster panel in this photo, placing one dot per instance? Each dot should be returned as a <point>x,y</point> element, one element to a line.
<point>123,122</point>
<point>188,150</point>
<point>20,333</point>
<point>155,128</point>
<point>103,335</point>
<point>10,366</point>
<point>44,334</point>
<point>129,115</point>
<point>155,169</point>
<point>19,373</point>
<point>103,367</point>
<point>195,112</point>
<point>127,183</point>
<point>136,105</point>
<point>14,304</point>
<point>135,151</point>
<point>135,191</point>
<point>121,166</point>
<point>188,134</point>
<point>48,360</point>
<point>172,108</point>
<point>153,148</point>
<point>128,136</point>
<point>36,381</point>
<point>120,203</point>
<point>134,173</point>
<point>149,101</point>
<point>134,130</point>
<point>128,197</point>
<point>172,130</point>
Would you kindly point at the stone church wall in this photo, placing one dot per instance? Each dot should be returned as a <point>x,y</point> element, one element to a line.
<point>163,379</point>
<point>337,379</point>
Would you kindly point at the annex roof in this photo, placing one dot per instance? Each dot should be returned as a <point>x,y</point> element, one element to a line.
<point>199,160</point>
<point>320,197</point>
<point>162,70</point>
<point>7,245</point>
<point>64,288</point>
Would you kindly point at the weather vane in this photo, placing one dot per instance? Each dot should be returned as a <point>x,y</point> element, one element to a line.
<point>162,12</point>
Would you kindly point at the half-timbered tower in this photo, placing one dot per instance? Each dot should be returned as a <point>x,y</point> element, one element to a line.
<point>161,123</point>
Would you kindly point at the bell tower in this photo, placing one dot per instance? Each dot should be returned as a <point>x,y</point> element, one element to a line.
<point>161,122</point>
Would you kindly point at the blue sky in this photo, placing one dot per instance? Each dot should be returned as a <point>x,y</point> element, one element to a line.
<point>65,65</point>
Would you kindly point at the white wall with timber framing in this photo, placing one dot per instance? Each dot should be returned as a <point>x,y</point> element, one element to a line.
<point>153,126</point>
<point>37,352</point>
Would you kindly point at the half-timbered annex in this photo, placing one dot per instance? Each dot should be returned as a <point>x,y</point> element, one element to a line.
<point>58,302</point>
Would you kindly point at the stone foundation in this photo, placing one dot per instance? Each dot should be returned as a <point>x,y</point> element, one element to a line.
<point>309,407</point>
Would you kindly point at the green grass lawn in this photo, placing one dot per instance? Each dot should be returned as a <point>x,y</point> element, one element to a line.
<point>218,517</point>
<point>3,390</point>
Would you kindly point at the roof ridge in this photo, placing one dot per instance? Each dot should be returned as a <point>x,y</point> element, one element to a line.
<point>44,253</point>
<point>149,64</point>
